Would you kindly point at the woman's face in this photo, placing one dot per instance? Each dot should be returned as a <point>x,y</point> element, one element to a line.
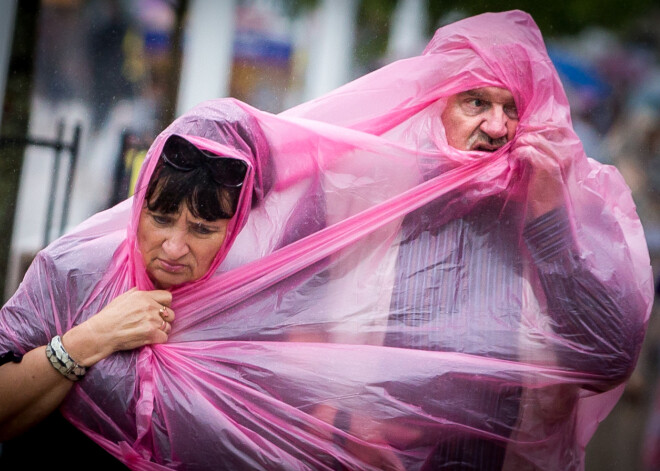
<point>177,248</point>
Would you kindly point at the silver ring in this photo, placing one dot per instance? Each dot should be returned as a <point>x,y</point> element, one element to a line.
<point>162,312</point>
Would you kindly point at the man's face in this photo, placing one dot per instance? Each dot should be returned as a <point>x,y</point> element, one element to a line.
<point>481,119</point>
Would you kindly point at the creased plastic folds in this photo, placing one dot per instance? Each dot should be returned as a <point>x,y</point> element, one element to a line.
<point>382,300</point>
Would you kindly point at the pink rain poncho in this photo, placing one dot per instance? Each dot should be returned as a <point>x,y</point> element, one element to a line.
<point>382,301</point>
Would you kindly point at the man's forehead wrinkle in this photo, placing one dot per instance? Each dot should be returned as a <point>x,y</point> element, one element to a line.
<point>477,93</point>
<point>488,95</point>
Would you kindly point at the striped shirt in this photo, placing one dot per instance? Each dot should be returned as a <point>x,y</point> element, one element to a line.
<point>459,288</point>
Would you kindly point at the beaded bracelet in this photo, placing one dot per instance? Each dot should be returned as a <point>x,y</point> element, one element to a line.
<point>61,360</point>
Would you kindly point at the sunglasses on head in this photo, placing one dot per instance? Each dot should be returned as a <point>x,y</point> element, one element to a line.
<point>184,156</point>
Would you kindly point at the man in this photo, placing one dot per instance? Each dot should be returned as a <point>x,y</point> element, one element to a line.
<point>500,269</point>
<point>482,119</point>
<point>476,287</point>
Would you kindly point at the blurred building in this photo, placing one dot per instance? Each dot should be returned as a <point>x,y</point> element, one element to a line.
<point>120,71</point>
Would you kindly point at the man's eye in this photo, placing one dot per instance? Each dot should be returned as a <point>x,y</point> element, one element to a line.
<point>511,112</point>
<point>475,104</point>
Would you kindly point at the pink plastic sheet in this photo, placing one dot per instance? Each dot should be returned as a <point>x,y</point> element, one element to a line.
<point>383,301</point>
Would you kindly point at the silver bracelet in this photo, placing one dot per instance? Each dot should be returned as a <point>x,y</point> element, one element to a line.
<point>61,360</point>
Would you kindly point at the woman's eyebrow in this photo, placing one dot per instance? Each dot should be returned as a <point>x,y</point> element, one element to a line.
<point>158,213</point>
<point>204,224</point>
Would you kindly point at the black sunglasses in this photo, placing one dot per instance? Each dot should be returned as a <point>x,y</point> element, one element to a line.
<point>184,156</point>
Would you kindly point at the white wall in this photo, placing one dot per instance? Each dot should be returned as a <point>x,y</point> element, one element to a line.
<point>331,47</point>
<point>207,52</point>
<point>408,29</point>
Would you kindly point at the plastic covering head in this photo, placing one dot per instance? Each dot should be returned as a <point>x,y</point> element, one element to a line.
<point>383,299</point>
<point>223,130</point>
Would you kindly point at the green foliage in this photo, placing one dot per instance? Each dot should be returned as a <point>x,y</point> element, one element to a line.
<point>296,7</point>
<point>373,27</point>
<point>554,18</point>
<point>373,23</point>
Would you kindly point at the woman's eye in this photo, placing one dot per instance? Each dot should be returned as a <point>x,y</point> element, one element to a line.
<point>202,230</point>
<point>160,220</point>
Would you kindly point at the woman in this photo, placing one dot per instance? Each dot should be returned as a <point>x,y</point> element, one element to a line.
<point>189,203</point>
<point>187,216</point>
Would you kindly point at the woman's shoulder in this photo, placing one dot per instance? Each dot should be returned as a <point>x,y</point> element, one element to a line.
<point>80,255</point>
<point>65,273</point>
<point>89,247</point>
<point>54,290</point>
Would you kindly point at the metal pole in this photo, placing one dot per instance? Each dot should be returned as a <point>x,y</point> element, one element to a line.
<point>73,149</point>
<point>53,181</point>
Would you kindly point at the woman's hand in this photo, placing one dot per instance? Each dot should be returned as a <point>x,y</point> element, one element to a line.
<point>32,389</point>
<point>131,320</point>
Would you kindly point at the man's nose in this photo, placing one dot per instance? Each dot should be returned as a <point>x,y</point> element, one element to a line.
<point>495,124</point>
<point>175,245</point>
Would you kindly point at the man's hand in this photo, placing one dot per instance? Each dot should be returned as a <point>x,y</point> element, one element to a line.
<point>367,438</point>
<point>545,190</point>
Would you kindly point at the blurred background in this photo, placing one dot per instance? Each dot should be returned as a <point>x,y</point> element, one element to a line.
<point>87,85</point>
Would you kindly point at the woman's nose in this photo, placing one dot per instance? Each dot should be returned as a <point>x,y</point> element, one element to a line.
<point>175,246</point>
<point>495,124</point>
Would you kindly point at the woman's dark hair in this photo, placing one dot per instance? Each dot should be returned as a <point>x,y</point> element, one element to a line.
<point>204,197</point>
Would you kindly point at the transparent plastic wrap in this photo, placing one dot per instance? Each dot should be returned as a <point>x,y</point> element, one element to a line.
<point>382,300</point>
